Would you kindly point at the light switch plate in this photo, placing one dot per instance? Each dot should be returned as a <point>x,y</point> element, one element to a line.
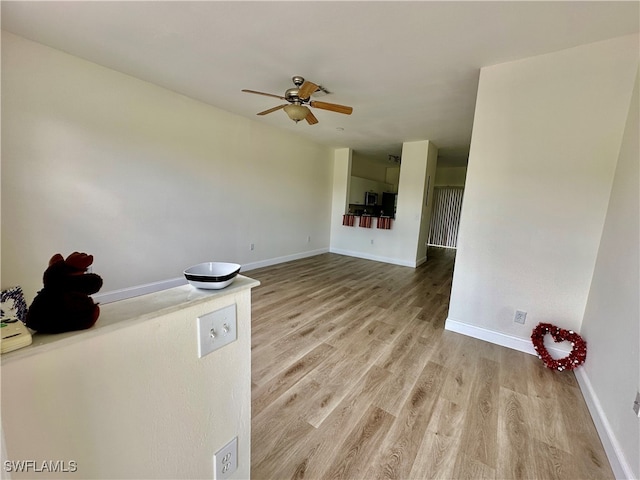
<point>216,329</point>
<point>636,404</point>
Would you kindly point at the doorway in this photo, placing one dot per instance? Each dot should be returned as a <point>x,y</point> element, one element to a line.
<point>445,219</point>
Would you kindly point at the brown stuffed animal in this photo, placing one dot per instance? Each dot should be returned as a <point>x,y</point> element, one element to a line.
<point>64,303</point>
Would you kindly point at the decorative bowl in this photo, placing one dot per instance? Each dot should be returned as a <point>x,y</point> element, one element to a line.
<point>212,275</point>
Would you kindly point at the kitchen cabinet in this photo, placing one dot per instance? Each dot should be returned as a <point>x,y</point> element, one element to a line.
<point>359,186</point>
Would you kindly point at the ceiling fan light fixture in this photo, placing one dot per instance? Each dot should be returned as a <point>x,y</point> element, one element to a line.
<point>296,112</point>
<point>299,97</point>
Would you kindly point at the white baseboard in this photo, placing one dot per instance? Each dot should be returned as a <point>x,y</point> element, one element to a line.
<point>617,460</point>
<point>442,246</point>
<point>377,258</point>
<point>136,291</point>
<point>124,293</point>
<point>502,339</point>
<point>286,258</point>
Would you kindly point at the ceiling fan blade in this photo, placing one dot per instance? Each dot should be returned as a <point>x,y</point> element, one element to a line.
<point>332,107</point>
<point>311,118</point>
<point>272,109</point>
<point>307,89</point>
<point>265,94</point>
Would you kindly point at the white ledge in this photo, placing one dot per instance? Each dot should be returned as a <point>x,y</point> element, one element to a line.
<point>125,313</point>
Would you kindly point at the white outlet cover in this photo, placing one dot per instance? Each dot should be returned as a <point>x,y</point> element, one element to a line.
<point>520,316</point>
<point>225,460</point>
<point>216,329</point>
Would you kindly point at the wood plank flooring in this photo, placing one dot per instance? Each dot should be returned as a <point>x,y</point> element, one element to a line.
<point>354,377</point>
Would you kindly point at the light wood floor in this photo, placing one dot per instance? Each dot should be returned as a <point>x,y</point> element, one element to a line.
<point>354,378</point>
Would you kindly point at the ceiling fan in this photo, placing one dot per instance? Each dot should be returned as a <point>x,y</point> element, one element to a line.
<point>299,98</point>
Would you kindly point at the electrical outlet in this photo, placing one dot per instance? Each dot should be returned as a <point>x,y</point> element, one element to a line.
<point>372,241</point>
<point>520,316</point>
<point>636,404</point>
<point>216,329</point>
<point>225,460</point>
<point>309,239</point>
<point>252,246</point>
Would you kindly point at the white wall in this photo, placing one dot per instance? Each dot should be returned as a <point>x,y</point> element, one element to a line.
<point>341,185</point>
<point>451,176</point>
<point>363,167</point>
<point>545,142</point>
<point>547,135</point>
<point>148,181</point>
<point>400,244</point>
<point>132,399</point>
<point>427,201</point>
<point>612,316</point>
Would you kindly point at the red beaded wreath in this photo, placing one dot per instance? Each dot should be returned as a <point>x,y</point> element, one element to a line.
<point>578,353</point>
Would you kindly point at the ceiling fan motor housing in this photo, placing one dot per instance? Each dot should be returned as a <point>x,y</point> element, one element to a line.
<point>292,94</point>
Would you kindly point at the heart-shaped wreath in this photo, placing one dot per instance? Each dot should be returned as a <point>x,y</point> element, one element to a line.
<point>578,353</point>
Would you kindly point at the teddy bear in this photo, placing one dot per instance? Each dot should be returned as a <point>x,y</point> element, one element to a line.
<point>64,304</point>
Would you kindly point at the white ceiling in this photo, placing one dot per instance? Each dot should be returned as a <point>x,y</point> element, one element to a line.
<point>409,69</point>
